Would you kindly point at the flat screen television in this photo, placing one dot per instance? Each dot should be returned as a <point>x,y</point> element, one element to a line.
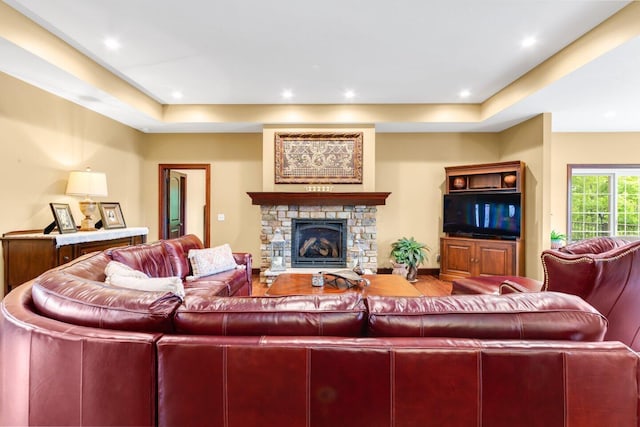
<point>483,215</point>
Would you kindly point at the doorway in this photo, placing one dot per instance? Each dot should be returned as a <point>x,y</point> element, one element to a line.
<point>177,203</point>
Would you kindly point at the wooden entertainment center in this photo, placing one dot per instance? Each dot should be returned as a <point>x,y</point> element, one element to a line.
<point>464,256</point>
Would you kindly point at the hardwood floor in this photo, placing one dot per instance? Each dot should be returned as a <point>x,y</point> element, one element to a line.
<point>428,285</point>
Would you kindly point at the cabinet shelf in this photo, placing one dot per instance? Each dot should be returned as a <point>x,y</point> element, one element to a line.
<point>505,176</point>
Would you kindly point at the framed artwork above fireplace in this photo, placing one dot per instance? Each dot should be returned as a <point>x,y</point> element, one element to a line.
<point>317,158</point>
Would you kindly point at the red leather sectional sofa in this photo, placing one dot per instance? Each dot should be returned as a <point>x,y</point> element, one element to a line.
<point>74,351</point>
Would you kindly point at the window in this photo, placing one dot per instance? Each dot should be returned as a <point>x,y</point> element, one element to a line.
<point>603,201</point>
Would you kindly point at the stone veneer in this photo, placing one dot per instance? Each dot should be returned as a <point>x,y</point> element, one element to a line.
<point>361,229</point>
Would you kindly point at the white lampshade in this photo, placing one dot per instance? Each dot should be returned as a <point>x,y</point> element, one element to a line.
<point>87,183</point>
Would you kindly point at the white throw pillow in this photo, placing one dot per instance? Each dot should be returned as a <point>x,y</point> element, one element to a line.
<point>149,284</point>
<point>123,276</point>
<point>115,268</point>
<point>206,262</point>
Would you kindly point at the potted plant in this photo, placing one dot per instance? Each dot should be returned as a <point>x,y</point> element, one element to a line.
<point>557,239</point>
<point>410,253</point>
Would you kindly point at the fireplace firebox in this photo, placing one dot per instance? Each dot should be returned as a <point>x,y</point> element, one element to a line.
<point>319,243</point>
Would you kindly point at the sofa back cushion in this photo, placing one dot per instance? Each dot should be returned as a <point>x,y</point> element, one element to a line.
<point>336,315</point>
<point>568,273</point>
<point>151,259</point>
<point>90,266</point>
<point>536,315</point>
<point>595,245</point>
<point>78,301</point>
<point>178,249</point>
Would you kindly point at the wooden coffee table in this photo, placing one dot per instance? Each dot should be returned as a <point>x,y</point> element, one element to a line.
<point>381,284</point>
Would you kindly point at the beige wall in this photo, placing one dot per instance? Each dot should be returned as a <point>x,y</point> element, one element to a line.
<point>526,142</point>
<point>43,137</point>
<point>411,167</point>
<point>585,148</point>
<point>236,167</point>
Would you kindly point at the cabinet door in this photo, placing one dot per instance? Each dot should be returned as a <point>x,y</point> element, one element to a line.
<point>494,258</point>
<point>25,259</point>
<point>457,258</point>
<point>88,247</point>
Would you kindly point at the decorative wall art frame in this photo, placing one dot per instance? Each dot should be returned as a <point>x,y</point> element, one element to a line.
<point>316,158</point>
<point>111,214</point>
<point>63,218</point>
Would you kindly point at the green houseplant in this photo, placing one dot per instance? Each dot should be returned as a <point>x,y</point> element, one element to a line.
<point>557,239</point>
<point>411,253</point>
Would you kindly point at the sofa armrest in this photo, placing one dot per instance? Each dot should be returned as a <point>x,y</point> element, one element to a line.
<point>244,258</point>
<point>510,287</point>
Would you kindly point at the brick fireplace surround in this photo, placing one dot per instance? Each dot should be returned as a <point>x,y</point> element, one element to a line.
<point>278,209</point>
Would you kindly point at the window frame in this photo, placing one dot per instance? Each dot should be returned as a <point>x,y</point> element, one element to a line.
<point>607,169</point>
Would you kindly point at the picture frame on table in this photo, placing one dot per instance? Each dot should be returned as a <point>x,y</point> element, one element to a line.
<point>63,218</point>
<point>111,214</point>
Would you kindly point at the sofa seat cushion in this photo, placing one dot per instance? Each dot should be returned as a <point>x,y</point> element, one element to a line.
<point>78,301</point>
<point>151,259</point>
<point>315,315</point>
<point>536,315</point>
<point>208,287</point>
<point>234,279</point>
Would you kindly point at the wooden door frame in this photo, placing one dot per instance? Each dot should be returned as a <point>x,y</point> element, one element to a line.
<point>163,169</point>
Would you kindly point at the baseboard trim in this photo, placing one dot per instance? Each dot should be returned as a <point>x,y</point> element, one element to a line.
<point>421,271</point>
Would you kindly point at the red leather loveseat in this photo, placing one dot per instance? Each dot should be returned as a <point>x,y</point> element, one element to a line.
<point>74,351</point>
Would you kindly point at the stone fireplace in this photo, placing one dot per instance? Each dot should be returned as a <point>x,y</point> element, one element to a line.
<point>357,211</point>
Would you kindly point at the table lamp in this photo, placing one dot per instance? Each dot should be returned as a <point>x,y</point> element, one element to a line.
<point>87,183</point>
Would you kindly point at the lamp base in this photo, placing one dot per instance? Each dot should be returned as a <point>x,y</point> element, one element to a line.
<point>87,225</point>
<point>88,207</point>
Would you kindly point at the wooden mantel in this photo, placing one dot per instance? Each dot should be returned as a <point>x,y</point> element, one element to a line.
<point>320,198</point>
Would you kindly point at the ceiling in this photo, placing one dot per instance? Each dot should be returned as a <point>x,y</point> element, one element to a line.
<point>395,54</point>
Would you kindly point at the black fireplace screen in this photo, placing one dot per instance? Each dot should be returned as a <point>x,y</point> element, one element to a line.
<point>319,242</point>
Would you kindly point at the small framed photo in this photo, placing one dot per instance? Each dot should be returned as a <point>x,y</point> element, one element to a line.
<point>63,217</point>
<point>111,214</point>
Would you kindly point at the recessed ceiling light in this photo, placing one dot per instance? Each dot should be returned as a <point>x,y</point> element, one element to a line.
<point>529,41</point>
<point>287,94</point>
<point>111,43</point>
<point>349,94</point>
<point>176,94</point>
<point>465,93</point>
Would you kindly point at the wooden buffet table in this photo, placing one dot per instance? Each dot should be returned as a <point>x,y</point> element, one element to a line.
<point>381,284</point>
<point>28,254</point>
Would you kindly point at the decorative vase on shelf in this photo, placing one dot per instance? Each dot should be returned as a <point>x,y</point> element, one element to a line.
<point>509,181</point>
<point>459,182</point>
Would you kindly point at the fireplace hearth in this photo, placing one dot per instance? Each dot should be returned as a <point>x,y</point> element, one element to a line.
<point>319,243</point>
